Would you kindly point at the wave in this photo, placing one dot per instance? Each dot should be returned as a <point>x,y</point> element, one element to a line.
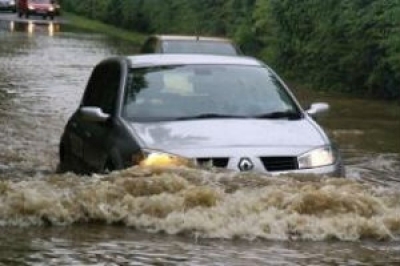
<point>208,204</point>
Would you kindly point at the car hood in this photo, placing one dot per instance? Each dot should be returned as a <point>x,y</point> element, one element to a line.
<point>229,133</point>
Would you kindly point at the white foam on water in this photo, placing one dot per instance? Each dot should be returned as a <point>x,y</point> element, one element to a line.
<point>209,205</point>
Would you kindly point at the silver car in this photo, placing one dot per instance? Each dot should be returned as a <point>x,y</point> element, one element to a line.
<point>8,5</point>
<point>223,111</point>
<point>180,44</point>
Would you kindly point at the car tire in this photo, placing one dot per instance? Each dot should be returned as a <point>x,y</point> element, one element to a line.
<point>62,166</point>
<point>60,169</point>
<point>109,167</point>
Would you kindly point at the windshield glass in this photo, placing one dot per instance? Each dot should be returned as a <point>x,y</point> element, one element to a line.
<point>190,91</point>
<point>199,47</point>
<point>41,1</point>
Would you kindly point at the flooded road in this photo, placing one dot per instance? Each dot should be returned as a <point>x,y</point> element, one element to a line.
<point>178,216</point>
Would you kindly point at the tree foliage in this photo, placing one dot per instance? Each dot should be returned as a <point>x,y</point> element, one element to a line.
<point>347,45</point>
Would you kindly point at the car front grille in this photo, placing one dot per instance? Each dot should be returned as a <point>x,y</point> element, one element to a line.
<point>273,164</point>
<point>215,162</point>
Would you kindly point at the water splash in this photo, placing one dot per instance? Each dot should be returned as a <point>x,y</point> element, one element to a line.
<point>221,205</point>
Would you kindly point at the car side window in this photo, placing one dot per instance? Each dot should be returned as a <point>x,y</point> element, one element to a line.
<point>102,89</point>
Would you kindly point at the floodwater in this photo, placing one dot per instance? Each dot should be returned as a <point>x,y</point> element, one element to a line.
<point>179,216</point>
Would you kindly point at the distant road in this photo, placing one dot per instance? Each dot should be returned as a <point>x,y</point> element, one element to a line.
<point>8,16</point>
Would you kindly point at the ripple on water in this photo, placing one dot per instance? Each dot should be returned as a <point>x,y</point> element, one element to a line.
<point>41,81</point>
<point>380,169</point>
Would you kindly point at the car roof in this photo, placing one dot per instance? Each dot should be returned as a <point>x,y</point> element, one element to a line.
<point>192,59</point>
<point>190,38</point>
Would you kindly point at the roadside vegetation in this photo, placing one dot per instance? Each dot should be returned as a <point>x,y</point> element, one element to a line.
<point>97,26</point>
<point>349,46</point>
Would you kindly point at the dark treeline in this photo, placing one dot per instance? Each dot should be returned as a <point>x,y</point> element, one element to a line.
<point>343,45</point>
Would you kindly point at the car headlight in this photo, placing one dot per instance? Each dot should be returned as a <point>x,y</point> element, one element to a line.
<point>51,9</point>
<point>151,158</point>
<point>317,158</point>
<point>31,7</point>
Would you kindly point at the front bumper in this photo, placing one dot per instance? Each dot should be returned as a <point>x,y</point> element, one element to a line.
<point>41,12</point>
<point>335,170</point>
<point>265,160</point>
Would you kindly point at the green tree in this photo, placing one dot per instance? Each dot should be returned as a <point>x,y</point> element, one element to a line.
<point>347,45</point>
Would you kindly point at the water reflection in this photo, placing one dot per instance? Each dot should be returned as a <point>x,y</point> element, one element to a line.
<point>12,26</point>
<point>34,27</point>
<point>113,245</point>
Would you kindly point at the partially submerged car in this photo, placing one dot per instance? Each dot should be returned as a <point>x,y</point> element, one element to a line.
<point>8,5</point>
<point>176,44</point>
<point>222,111</point>
<point>43,8</point>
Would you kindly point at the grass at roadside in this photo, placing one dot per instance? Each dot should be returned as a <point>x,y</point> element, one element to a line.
<point>96,26</point>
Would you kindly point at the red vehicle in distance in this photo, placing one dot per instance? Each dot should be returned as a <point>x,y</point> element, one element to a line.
<point>43,8</point>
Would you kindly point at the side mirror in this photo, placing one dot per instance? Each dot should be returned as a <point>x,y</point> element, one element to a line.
<point>317,109</point>
<point>94,114</point>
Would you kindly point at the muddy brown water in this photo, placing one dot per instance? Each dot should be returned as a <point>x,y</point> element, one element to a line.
<point>179,216</point>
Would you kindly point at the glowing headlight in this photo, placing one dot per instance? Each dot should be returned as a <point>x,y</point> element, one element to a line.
<point>51,9</point>
<point>160,159</point>
<point>31,7</point>
<point>317,158</point>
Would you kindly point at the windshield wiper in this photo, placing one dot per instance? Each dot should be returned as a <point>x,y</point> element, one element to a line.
<point>208,116</point>
<point>278,115</point>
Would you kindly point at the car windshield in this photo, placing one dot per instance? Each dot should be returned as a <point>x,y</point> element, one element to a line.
<point>199,47</point>
<point>185,92</point>
<point>41,1</point>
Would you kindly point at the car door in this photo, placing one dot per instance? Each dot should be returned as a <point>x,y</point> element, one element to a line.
<point>74,136</point>
<point>103,94</point>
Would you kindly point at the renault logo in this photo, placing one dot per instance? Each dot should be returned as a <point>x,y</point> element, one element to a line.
<point>245,164</point>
